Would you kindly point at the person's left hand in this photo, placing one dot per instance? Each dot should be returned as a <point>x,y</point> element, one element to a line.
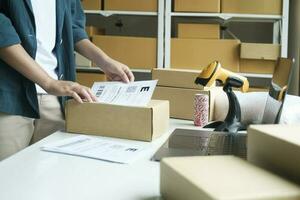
<point>116,71</point>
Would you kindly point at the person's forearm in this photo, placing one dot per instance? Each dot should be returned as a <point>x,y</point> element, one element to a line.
<point>18,58</point>
<point>92,52</point>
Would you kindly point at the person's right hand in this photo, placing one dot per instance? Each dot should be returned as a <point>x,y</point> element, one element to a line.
<point>69,88</point>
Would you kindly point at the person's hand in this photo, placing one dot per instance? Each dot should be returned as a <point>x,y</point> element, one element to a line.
<point>116,71</point>
<point>68,88</point>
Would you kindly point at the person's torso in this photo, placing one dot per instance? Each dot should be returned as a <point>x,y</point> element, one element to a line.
<point>45,22</point>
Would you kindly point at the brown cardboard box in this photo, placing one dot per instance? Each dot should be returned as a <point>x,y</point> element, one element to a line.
<point>221,177</point>
<point>182,100</point>
<point>136,123</point>
<point>276,148</point>
<point>176,78</point>
<point>92,30</point>
<point>131,5</point>
<point>267,7</point>
<point>198,53</point>
<point>88,78</point>
<point>206,6</point>
<point>259,58</point>
<point>260,51</point>
<point>202,31</point>
<point>91,4</point>
<point>136,52</point>
<point>257,66</point>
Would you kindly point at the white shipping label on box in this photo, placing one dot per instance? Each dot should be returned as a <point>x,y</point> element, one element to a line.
<point>137,93</point>
<point>98,148</point>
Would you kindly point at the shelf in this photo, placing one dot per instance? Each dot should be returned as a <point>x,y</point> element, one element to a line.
<point>230,17</point>
<point>108,13</point>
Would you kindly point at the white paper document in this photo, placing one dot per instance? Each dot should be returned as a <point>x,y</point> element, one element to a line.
<point>97,148</point>
<point>137,93</point>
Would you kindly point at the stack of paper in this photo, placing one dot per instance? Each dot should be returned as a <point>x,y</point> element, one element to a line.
<point>98,148</point>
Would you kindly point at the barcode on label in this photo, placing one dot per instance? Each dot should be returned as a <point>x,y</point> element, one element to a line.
<point>131,89</point>
<point>99,91</point>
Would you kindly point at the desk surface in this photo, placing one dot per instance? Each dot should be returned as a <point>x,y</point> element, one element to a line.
<point>33,174</point>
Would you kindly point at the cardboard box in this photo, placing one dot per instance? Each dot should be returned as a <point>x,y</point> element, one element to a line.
<point>202,31</point>
<point>275,148</point>
<point>88,78</point>
<point>176,78</point>
<point>92,30</point>
<point>221,177</point>
<point>260,51</point>
<point>267,7</point>
<point>136,52</point>
<point>182,100</point>
<point>198,53</point>
<point>259,58</point>
<point>136,123</point>
<point>257,66</point>
<point>91,4</point>
<point>206,6</point>
<point>131,5</point>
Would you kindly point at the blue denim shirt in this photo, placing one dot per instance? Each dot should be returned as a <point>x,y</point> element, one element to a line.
<point>17,26</point>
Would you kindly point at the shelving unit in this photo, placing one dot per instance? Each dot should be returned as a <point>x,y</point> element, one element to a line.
<point>164,20</point>
<point>160,26</point>
<point>280,29</point>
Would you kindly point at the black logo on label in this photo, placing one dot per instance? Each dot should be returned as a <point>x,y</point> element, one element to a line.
<point>145,89</point>
<point>131,149</point>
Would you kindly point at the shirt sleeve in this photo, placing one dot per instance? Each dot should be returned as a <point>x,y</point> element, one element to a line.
<point>78,20</point>
<point>8,34</point>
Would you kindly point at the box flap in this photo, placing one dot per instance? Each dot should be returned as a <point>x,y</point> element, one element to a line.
<point>260,51</point>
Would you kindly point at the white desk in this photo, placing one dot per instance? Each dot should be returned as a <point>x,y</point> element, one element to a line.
<point>33,174</point>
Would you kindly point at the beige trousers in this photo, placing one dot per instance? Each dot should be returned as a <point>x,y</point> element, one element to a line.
<point>17,132</point>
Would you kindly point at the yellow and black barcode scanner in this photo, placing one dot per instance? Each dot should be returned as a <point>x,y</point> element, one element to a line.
<point>214,72</point>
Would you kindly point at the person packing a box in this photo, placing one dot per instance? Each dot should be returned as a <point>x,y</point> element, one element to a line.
<point>37,44</point>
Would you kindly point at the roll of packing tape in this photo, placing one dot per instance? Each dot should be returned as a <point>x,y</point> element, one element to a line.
<point>201,109</point>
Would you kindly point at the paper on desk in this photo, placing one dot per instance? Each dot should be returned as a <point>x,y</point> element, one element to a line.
<point>97,148</point>
<point>137,93</point>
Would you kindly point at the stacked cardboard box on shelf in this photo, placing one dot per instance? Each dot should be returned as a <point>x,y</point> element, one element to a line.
<point>91,4</point>
<point>131,5</point>
<point>201,31</point>
<point>211,6</point>
<point>178,87</point>
<point>136,52</point>
<point>92,30</point>
<point>198,53</point>
<point>88,78</point>
<point>258,58</point>
<point>267,7</point>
